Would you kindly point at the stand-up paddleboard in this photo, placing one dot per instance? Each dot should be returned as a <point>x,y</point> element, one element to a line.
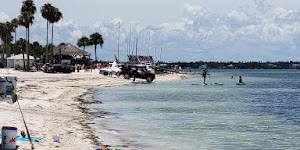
<point>199,84</point>
<point>240,84</point>
<point>219,83</point>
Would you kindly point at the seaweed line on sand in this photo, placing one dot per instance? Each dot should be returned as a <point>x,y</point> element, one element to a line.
<point>85,125</point>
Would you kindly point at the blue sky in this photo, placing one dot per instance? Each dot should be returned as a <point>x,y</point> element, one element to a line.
<point>190,30</point>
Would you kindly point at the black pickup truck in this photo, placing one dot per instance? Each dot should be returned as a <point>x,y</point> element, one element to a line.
<point>138,71</point>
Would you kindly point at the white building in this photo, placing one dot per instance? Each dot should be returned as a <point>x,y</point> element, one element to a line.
<point>295,66</point>
<point>18,60</point>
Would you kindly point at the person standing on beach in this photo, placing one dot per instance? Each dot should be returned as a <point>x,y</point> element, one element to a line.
<point>204,75</point>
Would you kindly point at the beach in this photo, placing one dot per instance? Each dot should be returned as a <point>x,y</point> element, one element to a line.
<point>52,106</point>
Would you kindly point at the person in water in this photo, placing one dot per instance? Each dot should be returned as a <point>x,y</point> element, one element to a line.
<point>204,75</point>
<point>241,81</point>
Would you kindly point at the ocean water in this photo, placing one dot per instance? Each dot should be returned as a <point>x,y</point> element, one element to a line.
<point>263,114</point>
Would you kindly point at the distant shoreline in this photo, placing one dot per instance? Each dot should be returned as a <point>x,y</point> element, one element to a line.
<point>232,65</point>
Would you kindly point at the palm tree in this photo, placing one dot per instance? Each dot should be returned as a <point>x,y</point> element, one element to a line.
<point>20,47</point>
<point>26,18</point>
<point>15,23</point>
<point>36,51</point>
<point>55,17</point>
<point>3,37</point>
<point>10,27</point>
<point>46,11</point>
<point>96,39</point>
<point>84,41</point>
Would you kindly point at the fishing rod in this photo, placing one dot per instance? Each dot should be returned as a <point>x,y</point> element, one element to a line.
<point>15,99</point>
<point>32,146</point>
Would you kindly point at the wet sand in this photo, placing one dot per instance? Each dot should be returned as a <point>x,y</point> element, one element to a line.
<point>52,105</point>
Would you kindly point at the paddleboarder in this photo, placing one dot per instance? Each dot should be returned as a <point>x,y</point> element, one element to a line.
<point>204,75</point>
<point>241,81</point>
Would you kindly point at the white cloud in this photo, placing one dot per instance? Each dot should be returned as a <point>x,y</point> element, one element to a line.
<point>66,23</point>
<point>252,32</point>
<point>237,16</point>
<point>76,34</point>
<point>4,17</point>
<point>262,5</point>
<point>164,25</point>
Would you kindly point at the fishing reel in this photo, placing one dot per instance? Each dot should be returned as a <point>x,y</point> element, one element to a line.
<point>7,89</point>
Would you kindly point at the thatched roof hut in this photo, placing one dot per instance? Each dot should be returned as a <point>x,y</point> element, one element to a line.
<point>69,54</point>
<point>71,50</point>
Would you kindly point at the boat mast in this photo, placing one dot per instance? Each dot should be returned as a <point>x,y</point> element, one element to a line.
<point>136,46</point>
<point>119,42</point>
<point>155,53</point>
<point>129,39</point>
<point>162,42</point>
<point>148,47</point>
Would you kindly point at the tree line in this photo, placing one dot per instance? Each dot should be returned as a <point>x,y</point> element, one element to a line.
<point>26,18</point>
<point>94,39</point>
<point>235,65</point>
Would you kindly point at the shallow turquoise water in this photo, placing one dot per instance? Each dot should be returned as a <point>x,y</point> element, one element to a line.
<point>263,114</point>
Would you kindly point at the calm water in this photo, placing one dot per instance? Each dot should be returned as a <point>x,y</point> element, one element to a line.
<point>263,114</point>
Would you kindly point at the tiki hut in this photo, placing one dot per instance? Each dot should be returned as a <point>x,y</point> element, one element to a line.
<point>69,54</point>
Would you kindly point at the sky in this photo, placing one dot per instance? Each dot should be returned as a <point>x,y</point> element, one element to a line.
<point>175,30</point>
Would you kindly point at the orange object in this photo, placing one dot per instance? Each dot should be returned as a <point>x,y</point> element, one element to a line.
<point>116,58</point>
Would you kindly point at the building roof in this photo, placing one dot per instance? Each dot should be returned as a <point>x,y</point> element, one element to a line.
<point>69,49</point>
<point>20,56</point>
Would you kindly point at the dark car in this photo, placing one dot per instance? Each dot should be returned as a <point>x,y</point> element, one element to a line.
<point>138,71</point>
<point>57,68</point>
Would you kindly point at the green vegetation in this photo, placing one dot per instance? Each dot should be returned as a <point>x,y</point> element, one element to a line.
<point>160,72</point>
<point>94,39</point>
<point>26,18</point>
<point>84,41</point>
<point>52,15</point>
<point>236,65</point>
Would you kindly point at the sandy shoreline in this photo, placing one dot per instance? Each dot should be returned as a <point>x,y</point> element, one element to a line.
<point>52,105</point>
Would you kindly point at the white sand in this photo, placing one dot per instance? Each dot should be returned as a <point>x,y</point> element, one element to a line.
<point>51,106</point>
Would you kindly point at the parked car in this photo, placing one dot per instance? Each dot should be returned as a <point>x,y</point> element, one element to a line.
<point>48,68</point>
<point>138,71</point>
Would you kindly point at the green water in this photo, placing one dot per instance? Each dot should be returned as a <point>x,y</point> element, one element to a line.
<point>263,114</point>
